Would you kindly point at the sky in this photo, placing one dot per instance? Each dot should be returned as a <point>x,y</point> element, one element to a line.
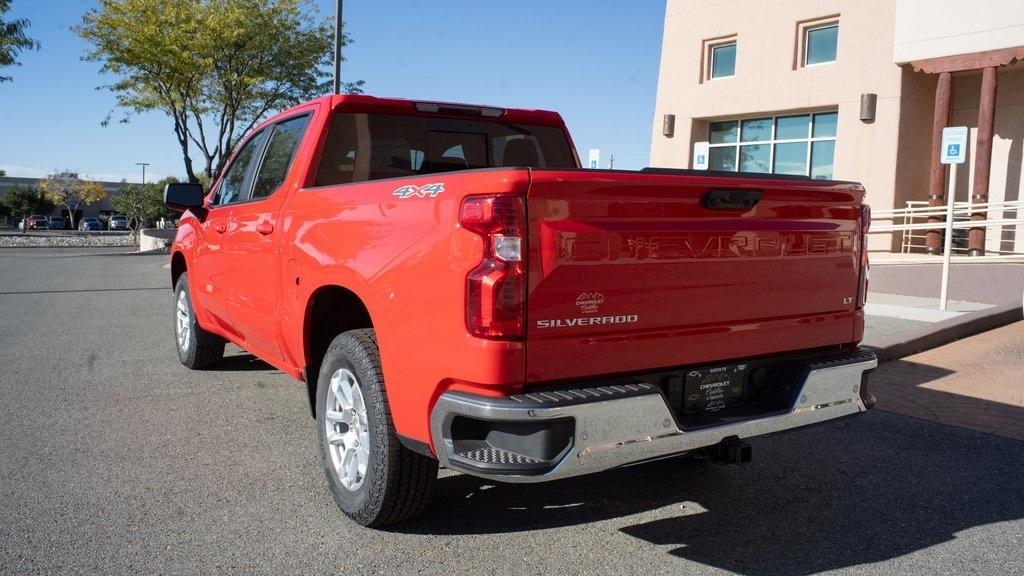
<point>593,61</point>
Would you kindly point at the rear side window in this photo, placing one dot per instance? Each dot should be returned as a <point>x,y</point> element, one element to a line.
<point>364,147</point>
<point>284,140</point>
<point>232,185</point>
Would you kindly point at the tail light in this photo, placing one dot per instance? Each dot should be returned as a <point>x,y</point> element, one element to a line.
<point>865,269</point>
<point>496,288</point>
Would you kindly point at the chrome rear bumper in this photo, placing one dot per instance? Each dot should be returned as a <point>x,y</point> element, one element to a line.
<point>621,424</point>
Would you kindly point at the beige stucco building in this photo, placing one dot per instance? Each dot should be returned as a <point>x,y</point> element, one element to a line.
<point>852,90</point>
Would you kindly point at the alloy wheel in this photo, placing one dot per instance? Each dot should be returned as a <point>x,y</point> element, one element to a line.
<point>183,322</point>
<point>348,435</point>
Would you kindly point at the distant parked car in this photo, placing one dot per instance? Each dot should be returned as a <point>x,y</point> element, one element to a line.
<point>117,222</point>
<point>90,223</point>
<point>58,223</point>
<point>36,222</point>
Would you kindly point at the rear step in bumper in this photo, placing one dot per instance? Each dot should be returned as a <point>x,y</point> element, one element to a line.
<point>579,431</point>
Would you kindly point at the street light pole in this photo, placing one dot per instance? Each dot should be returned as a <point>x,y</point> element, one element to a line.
<point>337,48</point>
<point>143,164</point>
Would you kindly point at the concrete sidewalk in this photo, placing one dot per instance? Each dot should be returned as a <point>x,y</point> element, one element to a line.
<point>974,383</point>
<point>903,316</point>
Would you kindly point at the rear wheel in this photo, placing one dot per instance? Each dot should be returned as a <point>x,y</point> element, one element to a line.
<point>197,348</point>
<point>375,480</point>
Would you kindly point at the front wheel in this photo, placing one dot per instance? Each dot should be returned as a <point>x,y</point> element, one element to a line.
<point>197,348</point>
<point>375,480</point>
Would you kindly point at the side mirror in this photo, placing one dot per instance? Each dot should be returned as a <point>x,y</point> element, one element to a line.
<point>183,195</point>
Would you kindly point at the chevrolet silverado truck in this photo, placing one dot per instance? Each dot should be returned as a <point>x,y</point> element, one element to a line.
<point>453,289</point>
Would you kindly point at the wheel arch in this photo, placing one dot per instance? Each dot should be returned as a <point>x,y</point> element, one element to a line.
<point>178,267</point>
<point>330,310</point>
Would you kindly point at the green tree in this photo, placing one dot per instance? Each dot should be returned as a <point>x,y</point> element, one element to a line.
<point>131,202</point>
<point>23,201</point>
<point>216,67</point>
<point>12,40</point>
<point>139,202</point>
<point>68,190</point>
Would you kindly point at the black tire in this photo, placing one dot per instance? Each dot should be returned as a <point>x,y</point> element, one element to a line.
<point>398,482</point>
<point>201,349</point>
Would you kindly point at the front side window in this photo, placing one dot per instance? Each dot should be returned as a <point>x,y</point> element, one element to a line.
<point>821,44</point>
<point>723,60</point>
<point>799,145</point>
<point>284,140</point>
<point>363,147</point>
<point>232,185</point>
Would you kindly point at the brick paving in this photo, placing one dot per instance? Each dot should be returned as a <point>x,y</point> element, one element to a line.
<point>975,383</point>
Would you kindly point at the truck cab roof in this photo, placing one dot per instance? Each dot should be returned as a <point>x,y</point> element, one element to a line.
<point>364,103</point>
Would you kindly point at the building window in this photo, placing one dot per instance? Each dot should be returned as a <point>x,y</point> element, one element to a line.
<point>821,43</point>
<point>718,57</point>
<point>723,60</point>
<point>802,145</point>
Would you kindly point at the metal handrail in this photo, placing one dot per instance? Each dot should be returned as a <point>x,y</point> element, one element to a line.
<point>918,217</point>
<point>941,210</point>
<point>956,224</point>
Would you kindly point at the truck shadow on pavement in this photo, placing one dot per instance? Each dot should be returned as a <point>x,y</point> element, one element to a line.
<point>243,362</point>
<point>862,490</point>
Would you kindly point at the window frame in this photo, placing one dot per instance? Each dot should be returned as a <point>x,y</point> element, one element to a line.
<point>713,48</point>
<point>805,36</point>
<point>247,179</point>
<point>707,47</point>
<point>772,142</point>
<point>250,174</point>
<point>329,124</point>
<point>263,155</point>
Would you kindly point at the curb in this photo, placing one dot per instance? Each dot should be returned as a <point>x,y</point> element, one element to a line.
<point>947,331</point>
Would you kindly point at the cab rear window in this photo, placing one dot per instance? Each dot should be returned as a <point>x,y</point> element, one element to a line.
<point>364,147</point>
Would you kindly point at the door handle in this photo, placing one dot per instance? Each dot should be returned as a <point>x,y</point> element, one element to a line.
<point>265,228</point>
<point>219,227</point>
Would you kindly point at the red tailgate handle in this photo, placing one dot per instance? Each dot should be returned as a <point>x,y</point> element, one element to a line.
<point>265,228</point>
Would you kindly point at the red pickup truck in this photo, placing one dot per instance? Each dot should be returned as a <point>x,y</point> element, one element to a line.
<point>454,289</point>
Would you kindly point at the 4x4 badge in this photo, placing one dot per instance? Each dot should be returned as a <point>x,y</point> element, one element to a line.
<point>425,191</point>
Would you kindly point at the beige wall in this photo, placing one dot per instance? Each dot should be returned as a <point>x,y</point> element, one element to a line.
<point>935,28</point>
<point>890,156</point>
<point>913,156</point>
<point>766,81</point>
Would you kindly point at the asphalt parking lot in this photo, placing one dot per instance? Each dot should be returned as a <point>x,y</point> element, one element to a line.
<point>116,459</point>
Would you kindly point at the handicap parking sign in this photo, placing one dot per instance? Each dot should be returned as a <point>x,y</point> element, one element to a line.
<point>954,145</point>
<point>700,155</point>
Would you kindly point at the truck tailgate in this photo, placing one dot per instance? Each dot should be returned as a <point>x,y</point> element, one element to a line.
<point>635,271</point>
